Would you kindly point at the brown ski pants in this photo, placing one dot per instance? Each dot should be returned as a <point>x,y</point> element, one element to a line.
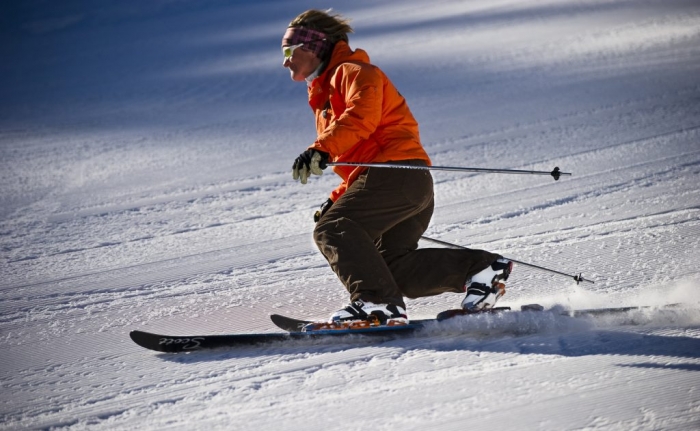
<point>370,239</point>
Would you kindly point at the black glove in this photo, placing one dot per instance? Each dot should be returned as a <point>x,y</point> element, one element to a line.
<point>309,162</point>
<point>325,207</point>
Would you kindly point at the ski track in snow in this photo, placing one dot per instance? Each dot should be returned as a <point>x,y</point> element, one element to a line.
<point>144,163</point>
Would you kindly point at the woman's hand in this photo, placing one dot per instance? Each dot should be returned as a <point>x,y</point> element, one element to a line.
<point>309,162</point>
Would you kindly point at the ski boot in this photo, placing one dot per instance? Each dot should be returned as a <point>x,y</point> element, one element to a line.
<point>487,286</point>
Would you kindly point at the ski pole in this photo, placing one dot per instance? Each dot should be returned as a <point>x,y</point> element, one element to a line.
<point>577,278</point>
<point>556,173</point>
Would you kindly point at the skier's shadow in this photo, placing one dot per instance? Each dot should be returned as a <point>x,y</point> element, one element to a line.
<point>583,343</point>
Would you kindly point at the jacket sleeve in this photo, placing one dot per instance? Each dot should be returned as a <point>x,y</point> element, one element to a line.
<point>361,88</point>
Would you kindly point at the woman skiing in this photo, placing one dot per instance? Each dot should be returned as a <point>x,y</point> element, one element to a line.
<point>368,229</point>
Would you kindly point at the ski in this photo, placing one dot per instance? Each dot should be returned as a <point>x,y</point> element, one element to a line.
<point>296,325</point>
<point>449,314</point>
<point>179,343</point>
<point>191,343</point>
<point>293,325</point>
<point>294,329</point>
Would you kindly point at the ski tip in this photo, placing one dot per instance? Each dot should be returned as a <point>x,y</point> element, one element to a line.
<point>449,314</point>
<point>154,342</point>
<point>141,338</point>
<point>288,323</point>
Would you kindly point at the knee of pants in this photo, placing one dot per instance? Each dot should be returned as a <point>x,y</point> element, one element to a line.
<point>329,235</point>
<point>321,233</point>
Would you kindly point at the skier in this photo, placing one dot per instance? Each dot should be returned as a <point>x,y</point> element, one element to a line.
<point>369,227</point>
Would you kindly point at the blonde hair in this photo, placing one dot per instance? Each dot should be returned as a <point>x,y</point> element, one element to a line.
<point>335,26</point>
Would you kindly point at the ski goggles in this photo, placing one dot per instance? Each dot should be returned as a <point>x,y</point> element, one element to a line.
<point>288,51</point>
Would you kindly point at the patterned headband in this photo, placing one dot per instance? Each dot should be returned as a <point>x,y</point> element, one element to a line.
<point>313,40</point>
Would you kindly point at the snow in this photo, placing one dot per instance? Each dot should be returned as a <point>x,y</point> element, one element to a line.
<point>145,150</point>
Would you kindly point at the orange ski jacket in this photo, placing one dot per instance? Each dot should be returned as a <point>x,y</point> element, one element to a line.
<point>360,116</point>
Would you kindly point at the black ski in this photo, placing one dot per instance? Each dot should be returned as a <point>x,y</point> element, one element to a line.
<point>179,343</point>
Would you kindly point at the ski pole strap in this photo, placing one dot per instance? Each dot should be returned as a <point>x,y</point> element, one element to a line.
<point>555,173</point>
<point>577,278</point>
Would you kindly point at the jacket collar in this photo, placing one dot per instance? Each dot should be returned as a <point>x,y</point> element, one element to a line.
<point>341,54</point>
<point>318,85</point>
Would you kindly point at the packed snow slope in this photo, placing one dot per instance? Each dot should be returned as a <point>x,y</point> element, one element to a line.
<point>145,155</point>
